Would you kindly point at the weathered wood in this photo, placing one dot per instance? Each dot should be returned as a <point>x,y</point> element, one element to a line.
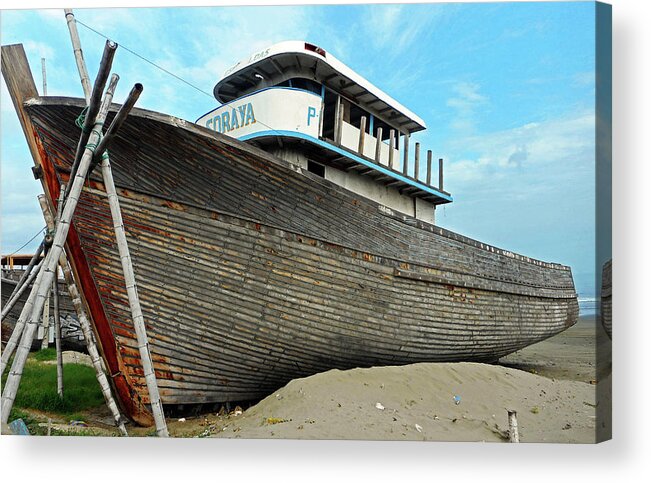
<point>378,145</point>
<point>416,160</point>
<point>42,286</point>
<point>84,322</point>
<point>238,305</point>
<point>392,146</point>
<point>340,122</point>
<point>28,270</point>
<point>79,55</point>
<point>514,436</point>
<point>405,154</point>
<point>57,336</point>
<point>606,303</point>
<point>429,167</point>
<point>362,135</point>
<point>20,289</point>
<point>134,301</point>
<point>21,87</point>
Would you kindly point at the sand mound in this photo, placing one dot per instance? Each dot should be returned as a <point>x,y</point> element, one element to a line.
<point>435,402</point>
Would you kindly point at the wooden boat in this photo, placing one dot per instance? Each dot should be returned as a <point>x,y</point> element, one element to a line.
<point>253,270</point>
<point>72,337</point>
<point>607,297</point>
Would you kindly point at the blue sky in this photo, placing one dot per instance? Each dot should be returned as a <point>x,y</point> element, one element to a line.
<point>506,89</point>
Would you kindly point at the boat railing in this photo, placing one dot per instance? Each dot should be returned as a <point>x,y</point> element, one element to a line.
<point>387,153</point>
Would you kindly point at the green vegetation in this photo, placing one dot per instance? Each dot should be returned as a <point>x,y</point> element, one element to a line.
<point>38,387</point>
<point>49,354</point>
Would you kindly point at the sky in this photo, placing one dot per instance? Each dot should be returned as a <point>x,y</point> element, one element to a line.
<point>507,91</point>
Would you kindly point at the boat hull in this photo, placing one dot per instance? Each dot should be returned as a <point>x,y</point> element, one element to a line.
<point>252,271</point>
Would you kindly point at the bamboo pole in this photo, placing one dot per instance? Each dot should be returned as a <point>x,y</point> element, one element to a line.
<point>362,135</point>
<point>19,328</point>
<point>378,146</point>
<point>93,352</point>
<point>392,146</point>
<point>79,55</point>
<point>55,287</point>
<point>125,257</point>
<point>134,301</point>
<point>44,77</point>
<point>85,324</point>
<point>52,258</point>
<point>416,160</point>
<point>30,266</point>
<point>16,294</point>
<point>514,437</point>
<point>93,108</point>
<point>46,323</point>
<point>429,167</point>
<point>405,164</point>
<point>117,122</point>
<point>57,336</point>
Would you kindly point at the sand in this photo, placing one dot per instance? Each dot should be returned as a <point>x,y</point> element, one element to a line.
<point>552,386</point>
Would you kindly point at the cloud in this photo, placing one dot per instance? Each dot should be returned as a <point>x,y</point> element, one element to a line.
<point>566,144</point>
<point>467,99</point>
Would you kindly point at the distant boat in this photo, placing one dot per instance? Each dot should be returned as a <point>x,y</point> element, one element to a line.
<point>72,337</point>
<point>278,238</point>
<point>607,298</point>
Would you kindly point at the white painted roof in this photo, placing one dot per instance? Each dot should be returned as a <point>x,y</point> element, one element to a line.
<point>327,66</point>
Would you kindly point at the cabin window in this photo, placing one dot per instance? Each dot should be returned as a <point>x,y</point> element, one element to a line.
<point>316,168</point>
<point>329,113</point>
<point>306,85</point>
<point>355,116</point>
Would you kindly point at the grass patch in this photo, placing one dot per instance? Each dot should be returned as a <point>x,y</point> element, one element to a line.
<point>49,354</point>
<point>38,388</point>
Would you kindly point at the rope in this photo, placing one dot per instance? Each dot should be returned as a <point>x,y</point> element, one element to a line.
<point>28,242</point>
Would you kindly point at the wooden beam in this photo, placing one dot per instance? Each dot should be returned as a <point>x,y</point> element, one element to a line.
<point>378,144</point>
<point>405,158</point>
<point>362,135</point>
<point>416,160</point>
<point>429,167</point>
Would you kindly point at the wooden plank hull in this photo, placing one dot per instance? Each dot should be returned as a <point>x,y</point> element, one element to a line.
<point>607,298</point>
<point>251,272</point>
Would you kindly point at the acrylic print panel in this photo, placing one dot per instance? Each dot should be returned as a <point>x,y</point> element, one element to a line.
<point>304,238</point>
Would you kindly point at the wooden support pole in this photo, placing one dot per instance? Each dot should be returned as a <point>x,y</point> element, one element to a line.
<point>93,108</point>
<point>84,322</point>
<point>89,337</point>
<point>441,174</point>
<point>392,146</point>
<point>117,122</point>
<point>15,296</point>
<point>79,55</point>
<point>405,154</point>
<point>44,76</point>
<point>134,300</point>
<point>19,328</point>
<point>378,146</point>
<point>57,336</point>
<point>416,160</point>
<point>52,259</point>
<point>125,258</point>
<point>429,167</point>
<point>514,437</point>
<point>46,323</point>
<point>362,135</point>
<point>340,122</point>
<point>34,260</point>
